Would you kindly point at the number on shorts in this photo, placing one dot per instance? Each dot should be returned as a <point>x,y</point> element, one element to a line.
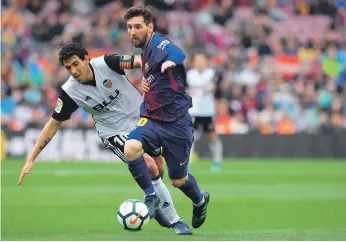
<point>120,139</point>
<point>142,122</point>
<point>116,144</point>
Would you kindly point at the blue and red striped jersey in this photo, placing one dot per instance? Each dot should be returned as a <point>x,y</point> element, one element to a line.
<point>167,99</point>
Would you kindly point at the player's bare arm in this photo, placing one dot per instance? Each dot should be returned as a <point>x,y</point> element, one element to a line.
<point>45,137</point>
<point>137,62</point>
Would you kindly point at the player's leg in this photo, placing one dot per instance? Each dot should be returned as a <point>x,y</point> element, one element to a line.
<point>140,138</point>
<point>116,144</point>
<point>160,190</point>
<point>166,202</point>
<point>159,161</point>
<point>198,132</point>
<point>215,144</point>
<point>152,167</point>
<point>177,138</point>
<point>138,169</point>
<point>187,183</point>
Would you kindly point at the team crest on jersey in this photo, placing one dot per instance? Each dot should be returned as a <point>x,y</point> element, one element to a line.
<point>146,66</point>
<point>58,106</point>
<point>107,83</point>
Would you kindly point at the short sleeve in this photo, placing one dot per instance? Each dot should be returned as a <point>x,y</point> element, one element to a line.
<point>65,107</point>
<point>119,62</point>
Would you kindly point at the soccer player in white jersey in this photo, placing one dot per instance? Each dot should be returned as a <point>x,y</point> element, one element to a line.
<point>201,82</point>
<point>100,87</point>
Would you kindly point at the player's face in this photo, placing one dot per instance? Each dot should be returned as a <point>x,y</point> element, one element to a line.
<point>139,32</point>
<point>78,68</point>
<point>200,62</point>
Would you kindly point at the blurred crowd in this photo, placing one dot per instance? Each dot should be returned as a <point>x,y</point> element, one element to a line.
<point>281,64</point>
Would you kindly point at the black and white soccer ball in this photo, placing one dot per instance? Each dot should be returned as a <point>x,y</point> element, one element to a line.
<point>133,214</point>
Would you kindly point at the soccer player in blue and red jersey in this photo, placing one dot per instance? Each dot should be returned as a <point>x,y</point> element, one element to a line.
<point>165,119</point>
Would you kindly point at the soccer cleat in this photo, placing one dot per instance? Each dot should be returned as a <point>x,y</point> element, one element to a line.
<point>199,213</point>
<point>215,167</point>
<point>161,218</point>
<point>152,202</point>
<point>180,228</point>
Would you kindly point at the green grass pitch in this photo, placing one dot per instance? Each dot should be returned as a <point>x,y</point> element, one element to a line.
<point>250,200</point>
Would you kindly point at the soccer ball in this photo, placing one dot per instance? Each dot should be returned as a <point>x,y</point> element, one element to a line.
<point>133,214</point>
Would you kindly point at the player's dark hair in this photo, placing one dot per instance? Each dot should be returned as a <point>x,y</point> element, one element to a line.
<point>146,12</point>
<point>70,50</point>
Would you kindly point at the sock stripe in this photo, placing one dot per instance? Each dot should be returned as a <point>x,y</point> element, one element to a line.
<point>156,178</point>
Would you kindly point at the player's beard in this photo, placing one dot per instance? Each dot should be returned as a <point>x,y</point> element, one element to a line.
<point>139,42</point>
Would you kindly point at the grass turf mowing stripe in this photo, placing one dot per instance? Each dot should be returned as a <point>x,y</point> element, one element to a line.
<point>251,201</point>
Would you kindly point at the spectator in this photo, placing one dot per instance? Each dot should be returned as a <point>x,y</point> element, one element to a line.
<point>277,72</point>
<point>330,65</point>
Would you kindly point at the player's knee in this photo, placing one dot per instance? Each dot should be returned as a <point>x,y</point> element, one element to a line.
<point>133,149</point>
<point>179,182</point>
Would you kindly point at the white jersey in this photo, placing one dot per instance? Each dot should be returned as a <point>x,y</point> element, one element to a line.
<point>112,100</point>
<point>202,100</point>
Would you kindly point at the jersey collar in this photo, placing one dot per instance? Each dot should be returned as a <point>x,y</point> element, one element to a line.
<point>91,82</point>
<point>146,47</point>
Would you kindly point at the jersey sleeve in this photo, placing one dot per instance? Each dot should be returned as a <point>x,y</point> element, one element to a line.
<point>119,62</point>
<point>168,51</point>
<point>65,107</point>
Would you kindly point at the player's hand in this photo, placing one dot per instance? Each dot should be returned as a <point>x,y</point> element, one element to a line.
<point>167,65</point>
<point>145,85</point>
<point>26,169</point>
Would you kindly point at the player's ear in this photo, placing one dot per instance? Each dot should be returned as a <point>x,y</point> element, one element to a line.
<point>86,59</point>
<point>151,28</point>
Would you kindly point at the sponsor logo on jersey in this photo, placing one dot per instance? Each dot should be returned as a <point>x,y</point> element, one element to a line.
<point>59,105</point>
<point>163,44</point>
<point>112,100</point>
<point>150,79</point>
<point>107,83</point>
<point>87,98</point>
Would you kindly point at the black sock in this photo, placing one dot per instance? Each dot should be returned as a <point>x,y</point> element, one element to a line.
<point>140,173</point>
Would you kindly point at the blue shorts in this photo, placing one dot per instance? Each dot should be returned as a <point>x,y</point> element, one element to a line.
<point>174,137</point>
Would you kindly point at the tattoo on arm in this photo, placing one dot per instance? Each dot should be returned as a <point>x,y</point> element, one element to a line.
<point>44,144</point>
